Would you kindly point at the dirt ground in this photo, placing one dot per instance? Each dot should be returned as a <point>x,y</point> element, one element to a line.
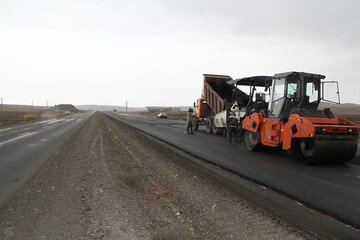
<point>109,182</point>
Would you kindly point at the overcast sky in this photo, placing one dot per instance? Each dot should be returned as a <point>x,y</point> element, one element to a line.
<point>155,52</point>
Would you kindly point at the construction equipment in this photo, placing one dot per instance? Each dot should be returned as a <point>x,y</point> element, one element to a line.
<point>216,100</point>
<point>293,122</point>
<point>222,95</point>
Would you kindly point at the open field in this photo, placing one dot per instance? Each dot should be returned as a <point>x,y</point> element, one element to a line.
<point>16,114</point>
<point>7,118</point>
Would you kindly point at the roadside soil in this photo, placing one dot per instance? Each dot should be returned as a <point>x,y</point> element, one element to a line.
<point>109,182</point>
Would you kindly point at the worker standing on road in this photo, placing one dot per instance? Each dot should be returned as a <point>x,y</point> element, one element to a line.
<point>232,124</point>
<point>190,120</point>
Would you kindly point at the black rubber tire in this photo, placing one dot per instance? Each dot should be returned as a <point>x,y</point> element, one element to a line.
<point>214,129</point>
<point>209,126</point>
<point>223,132</point>
<point>297,153</point>
<point>252,140</point>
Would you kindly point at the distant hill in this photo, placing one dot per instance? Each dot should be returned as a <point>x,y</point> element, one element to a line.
<point>63,108</point>
<point>110,108</point>
<point>120,108</point>
<point>342,109</point>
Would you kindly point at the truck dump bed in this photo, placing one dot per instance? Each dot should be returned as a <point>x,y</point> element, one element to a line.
<point>217,92</point>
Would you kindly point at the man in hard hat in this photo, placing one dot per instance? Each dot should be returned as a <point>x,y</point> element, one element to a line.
<point>232,124</point>
<point>190,120</point>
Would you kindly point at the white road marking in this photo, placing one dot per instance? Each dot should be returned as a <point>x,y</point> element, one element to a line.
<point>6,129</point>
<point>37,143</point>
<point>49,121</point>
<point>330,183</point>
<point>45,121</point>
<point>55,121</point>
<point>27,134</point>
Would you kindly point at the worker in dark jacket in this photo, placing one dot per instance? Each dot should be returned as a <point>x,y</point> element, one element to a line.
<point>232,124</point>
<point>190,120</point>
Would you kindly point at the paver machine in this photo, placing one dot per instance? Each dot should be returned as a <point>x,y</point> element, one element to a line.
<point>294,122</point>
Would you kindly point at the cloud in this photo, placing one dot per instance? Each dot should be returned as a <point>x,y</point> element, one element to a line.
<point>155,52</point>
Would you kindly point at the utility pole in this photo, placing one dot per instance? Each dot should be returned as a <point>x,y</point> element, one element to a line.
<point>126,106</point>
<point>46,104</point>
<point>32,106</point>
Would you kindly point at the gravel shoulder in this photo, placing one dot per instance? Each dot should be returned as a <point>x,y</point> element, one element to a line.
<point>109,182</point>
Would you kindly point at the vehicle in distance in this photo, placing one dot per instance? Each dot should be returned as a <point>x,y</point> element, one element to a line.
<point>161,115</point>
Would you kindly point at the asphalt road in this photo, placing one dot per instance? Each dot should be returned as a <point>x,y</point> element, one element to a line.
<point>24,148</point>
<point>332,189</point>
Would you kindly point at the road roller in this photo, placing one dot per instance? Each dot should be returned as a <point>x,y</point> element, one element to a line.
<point>293,122</point>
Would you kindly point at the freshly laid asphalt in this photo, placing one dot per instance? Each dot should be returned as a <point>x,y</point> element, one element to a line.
<point>25,148</point>
<point>333,189</point>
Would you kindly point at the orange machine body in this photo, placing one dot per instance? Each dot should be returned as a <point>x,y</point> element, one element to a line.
<point>275,133</point>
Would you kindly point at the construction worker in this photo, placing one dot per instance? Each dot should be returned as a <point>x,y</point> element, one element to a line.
<point>190,120</point>
<point>232,124</point>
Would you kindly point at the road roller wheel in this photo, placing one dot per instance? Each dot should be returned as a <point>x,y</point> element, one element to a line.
<point>252,140</point>
<point>313,151</point>
<point>303,149</point>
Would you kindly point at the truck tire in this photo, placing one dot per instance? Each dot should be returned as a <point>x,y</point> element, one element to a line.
<point>215,130</point>
<point>196,127</point>
<point>209,123</point>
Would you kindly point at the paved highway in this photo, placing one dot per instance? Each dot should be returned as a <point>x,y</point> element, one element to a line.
<point>24,149</point>
<point>333,189</point>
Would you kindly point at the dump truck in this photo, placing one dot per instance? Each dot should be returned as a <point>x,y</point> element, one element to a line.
<point>221,94</point>
<point>216,100</point>
<point>294,122</point>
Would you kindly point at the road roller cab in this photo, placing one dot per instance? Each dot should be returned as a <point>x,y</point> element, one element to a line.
<point>294,123</point>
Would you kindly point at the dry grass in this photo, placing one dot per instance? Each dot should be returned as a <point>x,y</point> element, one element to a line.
<point>131,177</point>
<point>172,232</point>
<point>161,192</point>
<point>7,118</point>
